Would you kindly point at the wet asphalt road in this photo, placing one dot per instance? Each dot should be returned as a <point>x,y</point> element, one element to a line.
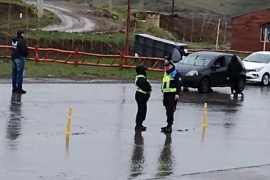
<point>235,145</point>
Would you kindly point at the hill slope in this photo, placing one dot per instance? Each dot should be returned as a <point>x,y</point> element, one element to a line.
<point>231,7</point>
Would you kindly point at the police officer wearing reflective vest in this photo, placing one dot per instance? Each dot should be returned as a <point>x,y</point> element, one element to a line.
<point>142,95</point>
<point>171,88</point>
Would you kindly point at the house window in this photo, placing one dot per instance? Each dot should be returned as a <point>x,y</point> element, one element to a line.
<point>265,37</point>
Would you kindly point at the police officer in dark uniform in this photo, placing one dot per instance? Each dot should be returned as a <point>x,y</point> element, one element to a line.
<point>142,95</point>
<point>171,88</point>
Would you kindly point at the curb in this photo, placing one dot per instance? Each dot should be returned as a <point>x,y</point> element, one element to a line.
<point>73,81</point>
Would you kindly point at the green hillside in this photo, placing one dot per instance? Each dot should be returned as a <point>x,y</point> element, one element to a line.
<point>232,7</point>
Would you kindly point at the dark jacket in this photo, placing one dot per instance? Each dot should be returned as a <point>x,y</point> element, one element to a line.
<point>142,82</point>
<point>183,53</point>
<point>234,68</point>
<point>177,80</point>
<point>19,47</point>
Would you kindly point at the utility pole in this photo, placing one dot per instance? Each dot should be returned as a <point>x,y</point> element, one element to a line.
<point>110,7</point>
<point>218,32</point>
<point>172,7</point>
<point>127,28</point>
<point>265,38</point>
<point>40,8</point>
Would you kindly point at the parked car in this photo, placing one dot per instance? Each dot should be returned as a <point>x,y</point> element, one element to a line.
<point>258,67</point>
<point>205,69</point>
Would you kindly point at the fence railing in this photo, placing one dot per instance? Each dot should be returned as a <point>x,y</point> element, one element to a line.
<point>77,58</point>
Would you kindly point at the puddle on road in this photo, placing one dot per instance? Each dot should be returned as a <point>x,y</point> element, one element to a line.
<point>14,122</point>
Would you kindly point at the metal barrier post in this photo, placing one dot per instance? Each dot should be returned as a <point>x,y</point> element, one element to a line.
<point>36,55</point>
<point>165,58</point>
<point>76,56</point>
<point>121,61</point>
<point>6,54</point>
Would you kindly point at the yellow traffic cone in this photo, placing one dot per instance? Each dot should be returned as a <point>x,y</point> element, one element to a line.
<point>204,123</point>
<point>68,132</point>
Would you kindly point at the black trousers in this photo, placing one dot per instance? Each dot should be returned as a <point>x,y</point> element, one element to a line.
<point>141,100</point>
<point>234,83</point>
<point>170,105</point>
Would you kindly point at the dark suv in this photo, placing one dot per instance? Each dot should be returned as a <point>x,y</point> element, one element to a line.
<point>204,70</point>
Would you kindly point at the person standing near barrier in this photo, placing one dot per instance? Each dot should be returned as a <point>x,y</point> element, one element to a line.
<point>234,70</point>
<point>19,55</point>
<point>171,88</point>
<point>142,96</point>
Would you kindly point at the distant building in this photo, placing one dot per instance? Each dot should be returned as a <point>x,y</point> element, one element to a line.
<point>151,18</point>
<point>249,31</point>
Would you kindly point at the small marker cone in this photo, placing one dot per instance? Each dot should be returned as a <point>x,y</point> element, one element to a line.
<point>68,132</point>
<point>204,123</point>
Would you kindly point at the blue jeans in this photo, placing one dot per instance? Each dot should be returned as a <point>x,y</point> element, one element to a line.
<point>18,66</point>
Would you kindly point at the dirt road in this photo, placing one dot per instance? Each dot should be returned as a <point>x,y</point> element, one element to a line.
<point>71,22</point>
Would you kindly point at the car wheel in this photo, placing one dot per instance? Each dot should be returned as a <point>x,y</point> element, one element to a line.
<point>265,79</point>
<point>204,85</point>
<point>241,85</point>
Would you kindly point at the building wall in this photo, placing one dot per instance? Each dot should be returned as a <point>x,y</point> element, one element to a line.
<point>151,18</point>
<point>246,31</point>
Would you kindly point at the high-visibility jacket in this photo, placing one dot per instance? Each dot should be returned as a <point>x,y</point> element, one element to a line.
<point>138,88</point>
<point>167,78</point>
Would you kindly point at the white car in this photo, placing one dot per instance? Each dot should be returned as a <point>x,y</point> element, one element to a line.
<point>257,67</point>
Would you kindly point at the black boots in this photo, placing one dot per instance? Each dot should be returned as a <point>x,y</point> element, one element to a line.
<point>19,91</point>
<point>140,128</point>
<point>167,129</point>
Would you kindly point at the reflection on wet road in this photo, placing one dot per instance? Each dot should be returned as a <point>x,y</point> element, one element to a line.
<point>165,162</point>
<point>104,144</point>
<point>137,160</point>
<point>14,123</point>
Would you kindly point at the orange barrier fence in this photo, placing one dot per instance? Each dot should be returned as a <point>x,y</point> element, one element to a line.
<point>90,59</point>
<point>86,59</point>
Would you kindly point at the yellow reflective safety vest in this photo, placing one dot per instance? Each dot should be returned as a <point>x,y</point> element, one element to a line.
<point>167,78</point>
<point>139,89</point>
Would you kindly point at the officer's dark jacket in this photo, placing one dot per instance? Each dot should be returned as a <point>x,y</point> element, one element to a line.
<point>19,47</point>
<point>234,68</point>
<point>142,82</point>
<point>177,80</point>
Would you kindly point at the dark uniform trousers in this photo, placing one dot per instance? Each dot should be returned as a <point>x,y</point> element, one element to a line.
<point>234,82</point>
<point>170,104</point>
<point>141,100</point>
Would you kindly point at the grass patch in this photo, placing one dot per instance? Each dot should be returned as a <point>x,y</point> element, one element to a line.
<point>118,38</point>
<point>12,1</point>
<point>9,25</point>
<point>114,38</point>
<point>54,70</point>
<point>200,45</point>
<point>231,7</point>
